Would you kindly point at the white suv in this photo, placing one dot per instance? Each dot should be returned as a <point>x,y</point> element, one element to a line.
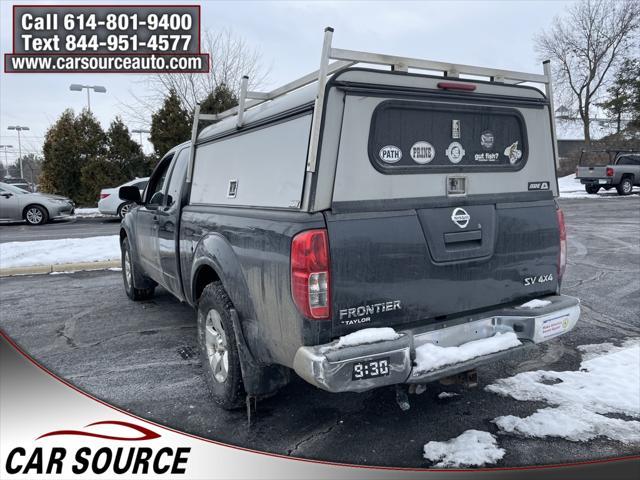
<point>110,203</point>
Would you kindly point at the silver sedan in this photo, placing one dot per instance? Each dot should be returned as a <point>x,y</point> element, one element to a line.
<point>34,208</point>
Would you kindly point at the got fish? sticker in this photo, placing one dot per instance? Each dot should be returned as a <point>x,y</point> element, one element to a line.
<point>390,154</point>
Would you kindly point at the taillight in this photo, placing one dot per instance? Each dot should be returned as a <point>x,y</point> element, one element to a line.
<point>310,276</point>
<point>562,257</point>
<point>104,195</point>
<point>609,172</point>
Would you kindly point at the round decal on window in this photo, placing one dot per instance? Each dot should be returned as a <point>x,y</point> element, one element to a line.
<point>455,152</point>
<point>390,154</point>
<point>422,152</point>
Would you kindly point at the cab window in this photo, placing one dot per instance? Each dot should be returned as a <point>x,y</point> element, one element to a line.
<point>156,186</point>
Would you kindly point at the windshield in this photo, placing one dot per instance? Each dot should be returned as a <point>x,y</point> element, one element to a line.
<point>12,188</point>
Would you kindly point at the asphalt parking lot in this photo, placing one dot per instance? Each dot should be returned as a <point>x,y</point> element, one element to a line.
<point>142,357</point>
<point>75,227</point>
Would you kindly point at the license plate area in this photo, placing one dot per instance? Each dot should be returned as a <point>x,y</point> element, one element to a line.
<point>602,182</point>
<point>379,367</point>
<point>554,326</point>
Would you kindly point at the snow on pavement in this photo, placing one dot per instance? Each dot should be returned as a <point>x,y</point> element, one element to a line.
<point>602,399</point>
<point>473,448</point>
<point>54,252</point>
<point>88,213</point>
<point>431,357</point>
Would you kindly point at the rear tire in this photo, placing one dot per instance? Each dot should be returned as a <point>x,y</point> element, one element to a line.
<point>592,189</point>
<point>36,215</point>
<point>124,209</point>
<point>218,349</point>
<point>625,187</point>
<point>128,276</point>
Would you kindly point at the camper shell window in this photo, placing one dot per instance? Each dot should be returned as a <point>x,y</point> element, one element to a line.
<point>419,137</point>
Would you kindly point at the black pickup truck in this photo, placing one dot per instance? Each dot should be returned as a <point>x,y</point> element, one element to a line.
<point>373,228</point>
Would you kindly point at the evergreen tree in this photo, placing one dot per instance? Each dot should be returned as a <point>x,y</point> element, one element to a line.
<point>170,126</point>
<point>221,99</point>
<point>624,94</point>
<point>127,153</point>
<point>61,166</point>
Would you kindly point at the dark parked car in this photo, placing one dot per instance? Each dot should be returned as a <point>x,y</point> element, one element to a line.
<point>374,228</point>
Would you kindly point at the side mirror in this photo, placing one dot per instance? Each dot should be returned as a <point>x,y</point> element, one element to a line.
<point>130,194</point>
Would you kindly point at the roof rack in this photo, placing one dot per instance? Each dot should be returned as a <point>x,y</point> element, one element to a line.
<point>346,58</point>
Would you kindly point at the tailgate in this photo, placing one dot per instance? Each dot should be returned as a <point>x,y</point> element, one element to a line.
<point>421,264</point>
<point>591,172</point>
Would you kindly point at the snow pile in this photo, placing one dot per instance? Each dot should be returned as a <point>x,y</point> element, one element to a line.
<point>88,213</point>
<point>535,304</point>
<point>443,395</point>
<point>473,448</point>
<point>364,336</point>
<point>605,384</point>
<point>53,252</point>
<point>431,357</point>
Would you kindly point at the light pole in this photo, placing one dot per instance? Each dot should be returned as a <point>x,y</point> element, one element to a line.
<point>19,129</point>
<point>140,131</point>
<point>6,161</point>
<point>75,87</point>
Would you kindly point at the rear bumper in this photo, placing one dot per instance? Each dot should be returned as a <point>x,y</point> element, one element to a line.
<point>597,181</point>
<point>332,369</point>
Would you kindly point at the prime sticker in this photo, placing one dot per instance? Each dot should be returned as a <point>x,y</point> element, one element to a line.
<point>422,152</point>
<point>455,152</point>
<point>390,154</point>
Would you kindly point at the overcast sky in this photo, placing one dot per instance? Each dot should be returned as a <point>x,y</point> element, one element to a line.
<point>289,34</point>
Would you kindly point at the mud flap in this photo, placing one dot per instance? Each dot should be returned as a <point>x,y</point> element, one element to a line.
<point>259,381</point>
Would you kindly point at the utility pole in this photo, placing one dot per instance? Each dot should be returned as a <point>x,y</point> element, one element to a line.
<point>6,160</point>
<point>140,131</point>
<point>19,129</point>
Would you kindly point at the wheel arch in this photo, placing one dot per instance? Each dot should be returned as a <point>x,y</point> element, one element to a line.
<point>34,204</point>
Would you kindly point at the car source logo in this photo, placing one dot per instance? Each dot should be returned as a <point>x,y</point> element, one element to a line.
<point>390,154</point>
<point>460,217</point>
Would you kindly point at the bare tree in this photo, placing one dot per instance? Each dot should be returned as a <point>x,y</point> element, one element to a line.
<point>231,58</point>
<point>585,45</point>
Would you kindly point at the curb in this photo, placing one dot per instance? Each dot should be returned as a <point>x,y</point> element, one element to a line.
<point>59,268</point>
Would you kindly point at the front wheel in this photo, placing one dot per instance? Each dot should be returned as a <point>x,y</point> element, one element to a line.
<point>128,275</point>
<point>36,215</point>
<point>592,189</point>
<point>625,187</point>
<point>218,348</point>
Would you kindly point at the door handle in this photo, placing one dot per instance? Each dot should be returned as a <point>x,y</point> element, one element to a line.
<point>155,218</point>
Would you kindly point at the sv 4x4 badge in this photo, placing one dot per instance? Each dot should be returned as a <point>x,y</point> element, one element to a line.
<point>538,279</point>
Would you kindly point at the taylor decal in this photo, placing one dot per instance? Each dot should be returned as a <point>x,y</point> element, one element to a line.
<point>363,313</point>
<point>455,152</point>
<point>390,154</point>
<point>513,153</point>
<point>422,152</point>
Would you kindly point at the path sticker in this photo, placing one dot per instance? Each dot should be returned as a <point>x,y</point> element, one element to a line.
<point>455,152</point>
<point>487,139</point>
<point>422,152</point>
<point>390,154</point>
<point>513,153</point>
